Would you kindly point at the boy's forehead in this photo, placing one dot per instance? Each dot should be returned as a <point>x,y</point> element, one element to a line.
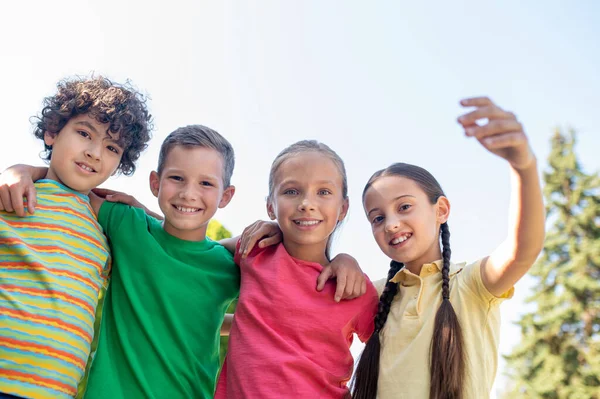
<point>196,159</point>
<point>90,122</point>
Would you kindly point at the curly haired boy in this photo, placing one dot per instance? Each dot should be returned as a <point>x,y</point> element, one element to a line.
<point>53,263</point>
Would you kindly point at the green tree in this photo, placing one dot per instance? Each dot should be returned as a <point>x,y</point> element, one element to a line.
<point>559,353</point>
<point>215,231</point>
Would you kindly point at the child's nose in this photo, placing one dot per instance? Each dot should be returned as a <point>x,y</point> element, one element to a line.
<point>188,193</point>
<point>93,152</point>
<point>306,204</point>
<point>392,224</point>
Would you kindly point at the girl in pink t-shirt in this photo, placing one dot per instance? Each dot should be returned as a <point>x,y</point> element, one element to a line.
<point>288,341</point>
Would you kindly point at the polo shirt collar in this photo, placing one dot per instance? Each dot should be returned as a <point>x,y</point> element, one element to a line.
<point>427,270</point>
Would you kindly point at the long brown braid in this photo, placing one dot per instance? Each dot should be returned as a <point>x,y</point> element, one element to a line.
<point>367,372</point>
<point>447,359</point>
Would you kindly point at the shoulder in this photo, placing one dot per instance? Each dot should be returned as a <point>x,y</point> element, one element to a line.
<point>215,249</point>
<point>469,277</point>
<point>116,217</point>
<point>379,285</point>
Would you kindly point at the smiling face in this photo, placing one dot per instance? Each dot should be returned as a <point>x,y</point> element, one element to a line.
<point>84,154</point>
<point>307,201</point>
<point>189,190</point>
<point>404,222</point>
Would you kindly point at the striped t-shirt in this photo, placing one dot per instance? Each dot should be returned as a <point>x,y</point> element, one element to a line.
<point>52,266</point>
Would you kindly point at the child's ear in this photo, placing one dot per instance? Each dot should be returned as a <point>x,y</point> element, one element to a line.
<point>227,196</point>
<point>49,138</point>
<point>344,212</point>
<point>442,210</point>
<point>270,210</point>
<point>154,183</point>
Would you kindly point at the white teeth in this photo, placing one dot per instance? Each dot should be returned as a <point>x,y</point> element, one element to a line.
<point>85,167</point>
<point>189,210</point>
<point>306,222</point>
<point>400,239</point>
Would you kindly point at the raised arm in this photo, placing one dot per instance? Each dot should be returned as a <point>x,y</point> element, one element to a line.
<point>503,135</point>
<point>16,183</point>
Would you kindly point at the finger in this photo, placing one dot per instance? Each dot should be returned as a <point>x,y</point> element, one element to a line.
<point>122,198</point>
<point>323,277</point>
<point>505,140</point>
<point>5,204</point>
<point>476,101</point>
<point>363,287</point>
<point>494,127</point>
<point>251,239</point>
<point>16,197</point>
<point>355,290</point>
<point>266,242</point>
<point>489,112</point>
<point>103,192</point>
<point>341,286</point>
<point>31,200</point>
<point>349,290</point>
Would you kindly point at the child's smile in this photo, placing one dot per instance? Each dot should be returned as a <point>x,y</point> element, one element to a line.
<point>307,202</point>
<point>84,155</point>
<point>403,220</point>
<point>307,224</point>
<point>189,190</point>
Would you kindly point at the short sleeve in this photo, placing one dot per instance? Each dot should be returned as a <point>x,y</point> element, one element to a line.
<point>380,285</point>
<point>237,257</point>
<point>110,216</point>
<point>365,320</point>
<point>470,276</point>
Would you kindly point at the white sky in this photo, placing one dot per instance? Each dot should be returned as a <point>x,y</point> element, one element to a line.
<point>379,82</point>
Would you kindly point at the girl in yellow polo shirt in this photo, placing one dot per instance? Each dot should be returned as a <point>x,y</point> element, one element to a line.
<point>437,326</point>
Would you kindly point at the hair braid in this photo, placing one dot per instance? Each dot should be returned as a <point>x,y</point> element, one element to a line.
<point>447,363</point>
<point>367,371</point>
<point>446,252</point>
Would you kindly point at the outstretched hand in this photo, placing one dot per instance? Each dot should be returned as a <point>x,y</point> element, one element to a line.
<point>502,134</point>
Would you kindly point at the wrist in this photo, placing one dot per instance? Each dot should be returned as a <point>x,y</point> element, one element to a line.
<point>529,163</point>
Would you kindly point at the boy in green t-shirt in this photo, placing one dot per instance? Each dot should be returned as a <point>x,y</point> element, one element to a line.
<point>170,284</point>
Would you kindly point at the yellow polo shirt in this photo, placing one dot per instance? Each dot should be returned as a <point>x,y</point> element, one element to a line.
<point>406,336</point>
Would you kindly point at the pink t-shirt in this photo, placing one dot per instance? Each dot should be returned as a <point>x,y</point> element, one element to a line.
<point>289,340</point>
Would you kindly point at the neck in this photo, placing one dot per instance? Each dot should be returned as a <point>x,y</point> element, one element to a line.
<point>415,266</point>
<point>186,235</point>
<point>50,175</point>
<point>309,253</point>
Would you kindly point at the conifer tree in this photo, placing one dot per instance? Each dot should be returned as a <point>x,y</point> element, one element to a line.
<point>559,353</point>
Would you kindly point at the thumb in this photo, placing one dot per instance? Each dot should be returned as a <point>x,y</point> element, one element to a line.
<point>31,200</point>
<point>325,275</point>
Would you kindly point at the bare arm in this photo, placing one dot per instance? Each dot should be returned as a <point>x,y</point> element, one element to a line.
<point>515,256</point>
<point>226,326</point>
<point>230,243</point>
<point>503,135</point>
<point>105,194</point>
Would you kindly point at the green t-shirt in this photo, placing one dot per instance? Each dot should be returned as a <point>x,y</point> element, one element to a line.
<point>163,311</point>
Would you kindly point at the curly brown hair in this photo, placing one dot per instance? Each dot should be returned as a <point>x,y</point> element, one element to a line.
<point>121,106</point>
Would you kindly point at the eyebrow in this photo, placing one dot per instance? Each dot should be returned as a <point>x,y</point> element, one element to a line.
<point>394,200</point>
<point>181,171</point>
<point>320,182</point>
<point>93,129</point>
<point>88,125</point>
